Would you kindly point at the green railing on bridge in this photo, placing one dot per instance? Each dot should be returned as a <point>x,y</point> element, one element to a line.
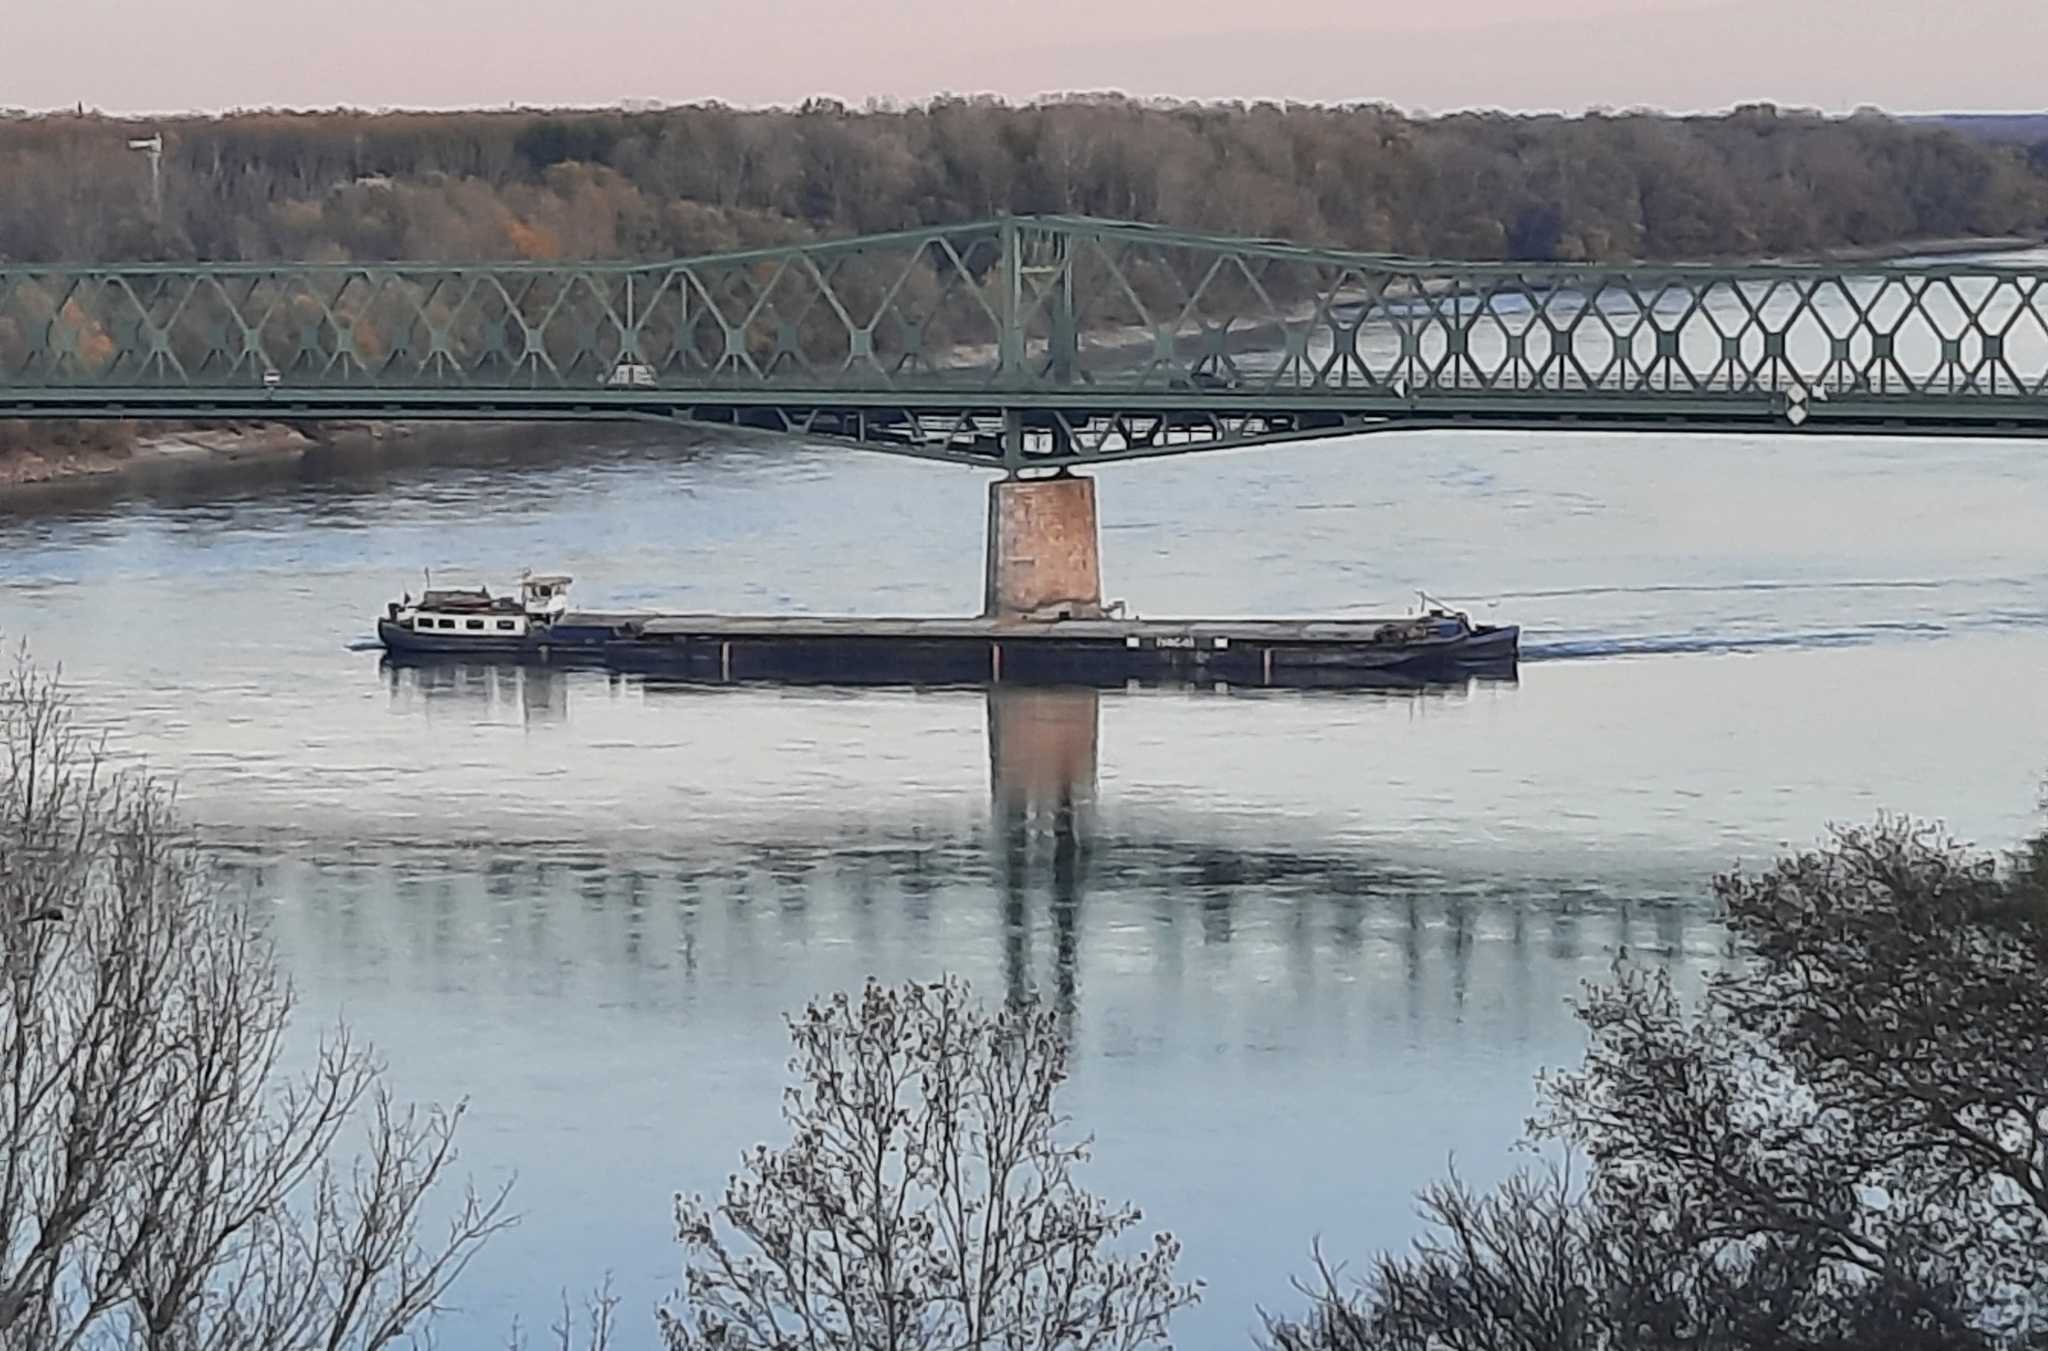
<point>1042,340</point>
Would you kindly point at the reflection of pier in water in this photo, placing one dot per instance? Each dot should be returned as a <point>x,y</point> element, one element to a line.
<point>1043,752</point>
<point>1055,893</point>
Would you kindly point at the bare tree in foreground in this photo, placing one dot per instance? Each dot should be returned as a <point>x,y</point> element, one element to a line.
<point>925,1200</point>
<point>1843,1144</point>
<point>165,1184</point>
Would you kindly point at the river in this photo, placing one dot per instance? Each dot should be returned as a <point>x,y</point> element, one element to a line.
<point>1312,948</point>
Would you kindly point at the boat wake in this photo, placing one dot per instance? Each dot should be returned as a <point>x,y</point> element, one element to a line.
<point>1755,586</point>
<point>1976,608</point>
<point>1693,644</point>
<point>1569,647</point>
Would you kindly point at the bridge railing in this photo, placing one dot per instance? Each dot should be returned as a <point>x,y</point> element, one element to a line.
<point>1045,306</point>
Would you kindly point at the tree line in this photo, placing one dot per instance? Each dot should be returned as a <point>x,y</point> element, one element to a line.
<point>1841,1144</point>
<point>537,184</point>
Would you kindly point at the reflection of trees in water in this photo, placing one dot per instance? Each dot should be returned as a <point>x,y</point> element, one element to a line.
<point>1042,892</point>
<point>666,929</point>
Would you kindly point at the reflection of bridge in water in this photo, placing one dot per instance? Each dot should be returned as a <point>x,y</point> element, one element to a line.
<point>1040,897</point>
<point>1048,341</point>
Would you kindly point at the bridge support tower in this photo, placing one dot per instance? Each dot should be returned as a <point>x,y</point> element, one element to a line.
<point>1044,549</point>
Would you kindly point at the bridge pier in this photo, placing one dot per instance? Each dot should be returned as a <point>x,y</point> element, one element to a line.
<point>1044,551</point>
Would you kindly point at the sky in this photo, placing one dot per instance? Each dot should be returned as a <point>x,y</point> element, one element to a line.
<point>125,56</point>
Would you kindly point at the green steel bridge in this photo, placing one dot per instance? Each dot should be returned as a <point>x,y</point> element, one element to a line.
<point>1043,341</point>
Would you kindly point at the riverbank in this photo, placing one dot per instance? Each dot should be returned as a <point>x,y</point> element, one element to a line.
<point>210,459</point>
<point>42,468</point>
<point>1900,251</point>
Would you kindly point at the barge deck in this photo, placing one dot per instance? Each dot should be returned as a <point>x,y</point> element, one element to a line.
<point>1107,651</point>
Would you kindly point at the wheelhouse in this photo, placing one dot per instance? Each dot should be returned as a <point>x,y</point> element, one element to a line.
<point>475,614</point>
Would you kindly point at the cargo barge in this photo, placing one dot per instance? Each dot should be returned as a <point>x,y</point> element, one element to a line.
<point>537,626</point>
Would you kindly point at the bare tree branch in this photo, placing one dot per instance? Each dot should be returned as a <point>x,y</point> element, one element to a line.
<point>165,1184</point>
<point>926,1200</point>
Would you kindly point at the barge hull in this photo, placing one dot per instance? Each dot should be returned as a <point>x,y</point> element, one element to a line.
<point>976,651</point>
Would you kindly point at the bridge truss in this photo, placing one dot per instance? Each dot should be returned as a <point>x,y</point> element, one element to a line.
<point>1043,341</point>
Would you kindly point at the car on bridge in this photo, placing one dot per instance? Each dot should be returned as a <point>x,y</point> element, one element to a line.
<point>630,374</point>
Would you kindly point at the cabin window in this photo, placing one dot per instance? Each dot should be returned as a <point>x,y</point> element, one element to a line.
<point>506,625</point>
<point>447,623</point>
<point>472,623</point>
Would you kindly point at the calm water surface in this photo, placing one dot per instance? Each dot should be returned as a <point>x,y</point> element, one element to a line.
<point>1311,947</point>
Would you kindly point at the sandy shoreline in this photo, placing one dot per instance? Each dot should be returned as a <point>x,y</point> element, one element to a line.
<point>1925,248</point>
<point>29,477</point>
<point>25,468</point>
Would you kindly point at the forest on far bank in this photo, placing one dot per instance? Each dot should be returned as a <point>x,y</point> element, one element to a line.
<point>535,184</point>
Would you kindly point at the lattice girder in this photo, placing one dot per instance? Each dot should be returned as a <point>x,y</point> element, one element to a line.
<point>1096,339</point>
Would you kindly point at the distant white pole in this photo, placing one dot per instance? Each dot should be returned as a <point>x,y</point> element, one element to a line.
<point>153,147</point>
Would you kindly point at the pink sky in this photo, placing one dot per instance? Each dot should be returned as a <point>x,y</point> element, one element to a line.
<point>1906,55</point>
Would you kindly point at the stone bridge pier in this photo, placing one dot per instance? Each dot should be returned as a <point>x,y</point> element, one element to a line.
<point>1044,549</point>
